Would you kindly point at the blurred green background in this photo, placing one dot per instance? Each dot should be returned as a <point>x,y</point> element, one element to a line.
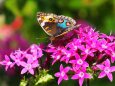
<point>99,13</point>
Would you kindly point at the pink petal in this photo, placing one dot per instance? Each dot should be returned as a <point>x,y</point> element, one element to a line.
<point>84,57</point>
<point>85,64</point>
<point>57,74</point>
<point>102,74</point>
<point>66,69</point>
<point>54,61</point>
<point>107,63</point>
<point>12,57</point>
<point>88,76</point>
<point>77,56</point>
<point>112,68</point>
<point>30,60</point>
<point>65,77</point>
<point>12,65</point>
<point>28,56</point>
<point>81,81</point>
<point>72,61</point>
<point>61,67</point>
<point>23,64</point>
<point>100,66</point>
<point>75,76</point>
<point>109,75</point>
<point>35,64</point>
<point>6,68</point>
<point>31,71</point>
<point>24,70</point>
<point>59,80</point>
<point>7,58</point>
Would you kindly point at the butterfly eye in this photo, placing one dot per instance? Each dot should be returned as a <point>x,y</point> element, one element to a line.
<point>51,19</point>
<point>68,23</point>
<point>61,21</point>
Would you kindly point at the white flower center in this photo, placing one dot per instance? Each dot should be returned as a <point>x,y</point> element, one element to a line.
<point>113,54</point>
<point>93,44</point>
<point>87,51</point>
<point>28,66</point>
<point>81,74</point>
<point>62,73</point>
<point>9,63</point>
<point>68,54</point>
<point>75,47</point>
<point>58,57</point>
<point>107,69</point>
<point>104,46</point>
<point>79,61</point>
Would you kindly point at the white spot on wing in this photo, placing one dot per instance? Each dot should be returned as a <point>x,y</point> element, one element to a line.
<point>38,19</point>
<point>42,24</point>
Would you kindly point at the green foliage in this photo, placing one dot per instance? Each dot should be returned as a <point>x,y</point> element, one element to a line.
<point>99,13</point>
<point>12,5</point>
<point>40,79</point>
<point>23,82</point>
<point>43,78</point>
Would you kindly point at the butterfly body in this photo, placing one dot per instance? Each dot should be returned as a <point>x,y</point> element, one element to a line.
<point>55,25</point>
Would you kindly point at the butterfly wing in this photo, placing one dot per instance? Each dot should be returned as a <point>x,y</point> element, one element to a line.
<point>55,25</point>
<point>48,22</point>
<point>64,25</point>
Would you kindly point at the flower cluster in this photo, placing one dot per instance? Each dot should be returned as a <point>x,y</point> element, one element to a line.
<point>28,60</point>
<point>85,52</point>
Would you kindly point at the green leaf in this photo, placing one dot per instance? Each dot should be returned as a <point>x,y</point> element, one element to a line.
<point>43,78</point>
<point>30,8</point>
<point>23,82</point>
<point>13,7</point>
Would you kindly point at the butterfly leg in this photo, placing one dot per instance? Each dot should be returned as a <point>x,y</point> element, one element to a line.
<point>52,39</point>
<point>76,26</point>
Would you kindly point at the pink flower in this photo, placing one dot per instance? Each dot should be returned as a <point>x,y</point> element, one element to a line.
<point>104,45</point>
<point>75,44</point>
<point>87,50</point>
<point>81,75</point>
<point>36,50</point>
<point>7,63</point>
<point>79,62</point>
<point>62,74</point>
<point>28,59</point>
<point>67,55</point>
<point>17,57</point>
<point>106,70</point>
<point>83,50</point>
<point>57,53</point>
<point>29,66</point>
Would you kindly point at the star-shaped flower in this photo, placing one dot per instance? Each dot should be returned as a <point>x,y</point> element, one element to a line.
<point>81,75</point>
<point>79,62</point>
<point>7,63</point>
<point>106,70</point>
<point>62,74</point>
<point>29,66</point>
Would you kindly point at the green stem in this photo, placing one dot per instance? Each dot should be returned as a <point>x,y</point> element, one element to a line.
<point>87,82</point>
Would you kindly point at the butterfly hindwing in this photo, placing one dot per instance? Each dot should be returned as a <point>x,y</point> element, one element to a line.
<point>65,24</point>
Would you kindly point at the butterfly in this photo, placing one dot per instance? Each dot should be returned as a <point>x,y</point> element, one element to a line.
<point>55,25</point>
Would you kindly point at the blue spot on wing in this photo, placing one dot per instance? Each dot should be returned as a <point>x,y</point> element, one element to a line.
<point>63,25</point>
